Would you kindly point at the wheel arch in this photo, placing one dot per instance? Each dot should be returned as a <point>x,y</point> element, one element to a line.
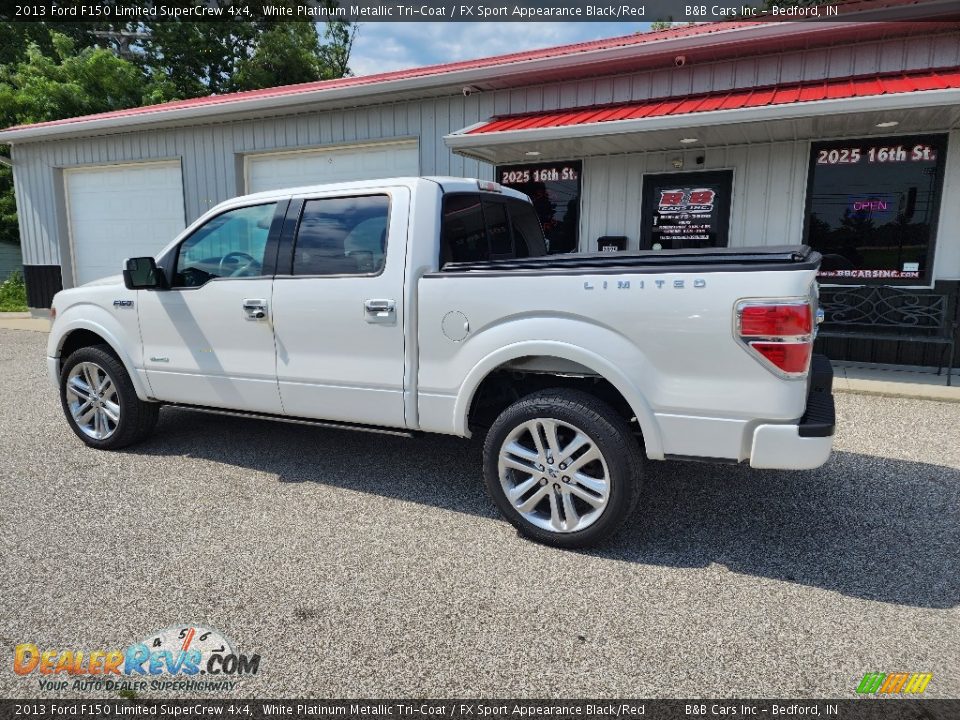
<point>79,333</point>
<point>502,358</point>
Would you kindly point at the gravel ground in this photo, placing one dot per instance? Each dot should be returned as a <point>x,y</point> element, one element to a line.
<point>360,565</point>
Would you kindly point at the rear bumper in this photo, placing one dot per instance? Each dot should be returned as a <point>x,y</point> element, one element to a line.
<point>807,444</point>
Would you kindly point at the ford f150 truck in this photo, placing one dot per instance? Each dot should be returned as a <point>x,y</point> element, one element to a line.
<point>430,305</point>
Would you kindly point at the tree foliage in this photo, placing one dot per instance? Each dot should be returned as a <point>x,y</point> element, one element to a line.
<point>184,60</point>
<point>9,231</point>
<point>50,71</point>
<point>66,83</point>
<point>62,82</point>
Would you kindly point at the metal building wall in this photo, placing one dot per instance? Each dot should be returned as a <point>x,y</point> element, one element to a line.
<point>768,191</point>
<point>211,154</point>
<point>769,194</point>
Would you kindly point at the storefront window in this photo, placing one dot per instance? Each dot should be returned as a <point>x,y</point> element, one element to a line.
<point>686,210</point>
<point>872,207</point>
<point>554,189</point>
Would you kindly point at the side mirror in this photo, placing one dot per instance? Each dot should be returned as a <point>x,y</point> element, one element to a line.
<point>142,273</point>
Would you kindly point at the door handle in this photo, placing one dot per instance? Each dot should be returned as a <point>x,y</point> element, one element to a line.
<point>255,309</point>
<point>380,311</point>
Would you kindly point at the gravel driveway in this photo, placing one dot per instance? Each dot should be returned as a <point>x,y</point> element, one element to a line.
<point>362,565</point>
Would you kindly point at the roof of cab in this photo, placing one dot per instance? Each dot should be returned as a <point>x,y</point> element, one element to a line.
<point>447,185</point>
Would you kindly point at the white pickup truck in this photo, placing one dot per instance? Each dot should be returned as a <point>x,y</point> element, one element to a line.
<point>429,305</point>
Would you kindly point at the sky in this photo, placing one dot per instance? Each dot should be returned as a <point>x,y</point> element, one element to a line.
<point>381,47</point>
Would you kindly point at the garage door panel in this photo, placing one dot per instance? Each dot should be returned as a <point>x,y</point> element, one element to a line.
<point>121,211</point>
<point>311,167</point>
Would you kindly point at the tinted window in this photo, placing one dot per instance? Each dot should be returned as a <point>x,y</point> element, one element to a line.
<point>342,236</point>
<point>478,228</point>
<point>464,237</point>
<point>230,245</point>
<point>527,234</point>
<point>498,229</point>
<point>554,188</point>
<point>872,206</point>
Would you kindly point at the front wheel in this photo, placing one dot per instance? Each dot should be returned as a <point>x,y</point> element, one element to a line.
<point>100,402</point>
<point>564,467</point>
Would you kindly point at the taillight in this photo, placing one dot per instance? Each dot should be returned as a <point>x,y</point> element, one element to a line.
<point>775,320</point>
<point>779,333</point>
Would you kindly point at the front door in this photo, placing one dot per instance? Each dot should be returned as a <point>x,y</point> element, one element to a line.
<point>685,210</point>
<point>338,308</point>
<point>208,340</point>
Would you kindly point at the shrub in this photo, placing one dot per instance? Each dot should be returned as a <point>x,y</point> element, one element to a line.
<point>13,294</point>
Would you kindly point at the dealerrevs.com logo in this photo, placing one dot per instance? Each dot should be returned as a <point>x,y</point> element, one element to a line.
<point>179,658</point>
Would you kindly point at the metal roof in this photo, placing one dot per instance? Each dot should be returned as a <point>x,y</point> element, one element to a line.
<point>941,79</point>
<point>702,42</point>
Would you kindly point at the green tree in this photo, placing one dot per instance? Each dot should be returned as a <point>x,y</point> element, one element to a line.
<point>16,37</point>
<point>46,74</point>
<point>335,52</point>
<point>66,84</point>
<point>9,231</point>
<point>186,60</point>
<point>62,83</point>
<point>284,53</point>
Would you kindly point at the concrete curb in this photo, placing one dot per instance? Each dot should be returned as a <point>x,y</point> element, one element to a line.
<point>23,321</point>
<point>913,391</point>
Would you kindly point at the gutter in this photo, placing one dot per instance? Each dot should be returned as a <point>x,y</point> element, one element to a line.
<point>899,101</point>
<point>380,90</point>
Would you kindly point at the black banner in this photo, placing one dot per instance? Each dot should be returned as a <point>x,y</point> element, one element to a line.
<point>634,11</point>
<point>866,709</point>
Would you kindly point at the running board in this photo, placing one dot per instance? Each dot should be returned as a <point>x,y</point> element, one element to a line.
<point>703,459</point>
<point>332,424</point>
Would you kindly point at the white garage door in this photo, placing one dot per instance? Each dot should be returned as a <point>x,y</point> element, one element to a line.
<point>273,171</point>
<point>121,211</point>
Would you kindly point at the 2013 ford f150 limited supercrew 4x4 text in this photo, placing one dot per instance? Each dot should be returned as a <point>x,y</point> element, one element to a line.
<point>418,305</point>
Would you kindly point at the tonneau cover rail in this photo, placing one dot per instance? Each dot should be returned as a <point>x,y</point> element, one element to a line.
<point>801,255</point>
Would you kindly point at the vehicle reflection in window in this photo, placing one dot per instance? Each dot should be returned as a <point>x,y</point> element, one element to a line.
<point>342,236</point>
<point>230,245</point>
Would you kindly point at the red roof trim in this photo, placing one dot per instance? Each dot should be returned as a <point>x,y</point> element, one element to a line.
<point>940,79</point>
<point>427,71</point>
<point>848,7</point>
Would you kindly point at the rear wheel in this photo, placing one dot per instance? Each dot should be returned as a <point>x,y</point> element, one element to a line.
<point>563,467</point>
<point>100,402</point>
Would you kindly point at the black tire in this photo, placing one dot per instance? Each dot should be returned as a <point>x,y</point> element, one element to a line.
<point>137,418</point>
<point>611,435</point>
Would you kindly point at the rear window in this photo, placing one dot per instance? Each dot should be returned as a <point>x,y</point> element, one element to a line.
<point>478,227</point>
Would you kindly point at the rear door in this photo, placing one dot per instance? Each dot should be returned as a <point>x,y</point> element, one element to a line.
<point>338,307</point>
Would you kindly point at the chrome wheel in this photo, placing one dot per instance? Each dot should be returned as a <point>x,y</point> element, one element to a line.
<point>93,400</point>
<point>554,475</point>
